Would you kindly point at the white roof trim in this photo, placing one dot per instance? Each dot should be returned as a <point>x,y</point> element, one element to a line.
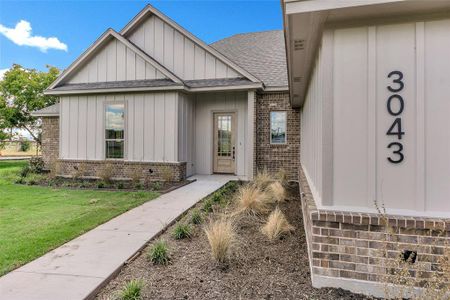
<point>99,42</point>
<point>150,9</point>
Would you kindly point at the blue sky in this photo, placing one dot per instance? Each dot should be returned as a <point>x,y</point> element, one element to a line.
<point>76,24</point>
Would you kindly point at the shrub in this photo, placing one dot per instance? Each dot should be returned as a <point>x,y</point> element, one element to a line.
<point>106,172</point>
<point>277,191</point>
<point>80,170</point>
<point>208,205</point>
<point>136,176</point>
<point>24,146</point>
<point>250,199</point>
<point>101,185</point>
<point>196,217</point>
<point>120,185</point>
<point>262,179</point>
<point>276,225</point>
<point>132,290</point>
<point>155,186</point>
<point>166,173</point>
<point>221,237</point>
<point>159,253</point>
<point>36,164</point>
<point>182,231</point>
<point>24,171</point>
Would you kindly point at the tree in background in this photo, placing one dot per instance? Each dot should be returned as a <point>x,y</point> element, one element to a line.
<point>21,93</point>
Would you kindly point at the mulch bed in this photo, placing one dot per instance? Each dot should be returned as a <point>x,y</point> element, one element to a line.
<point>259,269</point>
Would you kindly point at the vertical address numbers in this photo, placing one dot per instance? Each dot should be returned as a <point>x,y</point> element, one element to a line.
<point>397,85</point>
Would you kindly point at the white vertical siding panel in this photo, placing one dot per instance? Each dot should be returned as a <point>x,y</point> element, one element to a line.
<point>65,127</point>
<point>437,121</point>
<point>140,68</point>
<point>170,127</point>
<point>129,127</point>
<point>101,65</point>
<point>149,42</point>
<point>138,123</point>
<point>82,127</point>
<point>100,128</point>
<point>396,51</point>
<point>149,127</point>
<point>168,61</point>
<point>130,65</point>
<point>91,125</point>
<point>159,127</point>
<point>189,58</point>
<point>112,55</point>
<point>221,70</point>
<point>73,127</point>
<point>159,40</point>
<point>210,67</point>
<point>121,61</point>
<point>199,62</point>
<point>92,70</point>
<point>178,67</point>
<point>350,108</point>
<point>150,71</point>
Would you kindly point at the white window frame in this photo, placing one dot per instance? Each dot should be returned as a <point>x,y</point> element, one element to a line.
<point>105,106</point>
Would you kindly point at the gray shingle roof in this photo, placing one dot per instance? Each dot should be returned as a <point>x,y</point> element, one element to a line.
<point>116,84</point>
<point>52,110</point>
<point>261,53</point>
<point>216,82</point>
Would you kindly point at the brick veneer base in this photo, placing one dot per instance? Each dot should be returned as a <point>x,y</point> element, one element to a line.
<point>152,171</point>
<point>350,245</point>
<point>276,157</point>
<point>50,139</point>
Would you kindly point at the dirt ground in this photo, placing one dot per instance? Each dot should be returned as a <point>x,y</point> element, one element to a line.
<point>259,269</point>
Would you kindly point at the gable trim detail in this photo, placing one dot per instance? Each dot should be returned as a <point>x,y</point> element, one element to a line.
<point>149,9</point>
<point>98,43</point>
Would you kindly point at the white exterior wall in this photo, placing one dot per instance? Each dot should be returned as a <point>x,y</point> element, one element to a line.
<point>115,62</point>
<point>359,60</point>
<point>151,132</point>
<point>186,131</point>
<point>208,103</point>
<point>177,52</point>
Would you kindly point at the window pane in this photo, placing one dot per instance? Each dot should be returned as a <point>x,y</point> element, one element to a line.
<point>115,121</point>
<point>278,127</point>
<point>114,149</point>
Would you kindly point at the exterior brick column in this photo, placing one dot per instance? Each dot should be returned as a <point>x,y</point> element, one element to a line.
<point>50,139</point>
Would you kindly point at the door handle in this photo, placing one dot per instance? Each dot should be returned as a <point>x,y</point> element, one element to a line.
<point>234,152</point>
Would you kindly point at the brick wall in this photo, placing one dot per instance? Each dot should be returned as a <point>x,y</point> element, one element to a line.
<point>152,171</point>
<point>276,157</point>
<point>358,246</point>
<point>50,139</point>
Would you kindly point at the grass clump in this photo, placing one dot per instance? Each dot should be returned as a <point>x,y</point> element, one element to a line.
<point>262,179</point>
<point>182,231</point>
<point>196,217</point>
<point>159,253</point>
<point>277,191</point>
<point>276,225</point>
<point>221,237</point>
<point>282,177</point>
<point>250,199</point>
<point>208,205</point>
<point>132,290</point>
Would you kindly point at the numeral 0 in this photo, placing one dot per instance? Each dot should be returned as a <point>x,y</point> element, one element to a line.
<point>389,105</point>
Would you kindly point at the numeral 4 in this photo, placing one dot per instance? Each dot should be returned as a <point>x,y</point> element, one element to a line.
<point>396,129</point>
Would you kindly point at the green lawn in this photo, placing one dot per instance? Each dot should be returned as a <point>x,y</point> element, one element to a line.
<point>34,219</point>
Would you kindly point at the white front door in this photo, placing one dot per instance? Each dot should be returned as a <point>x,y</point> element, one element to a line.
<point>224,142</point>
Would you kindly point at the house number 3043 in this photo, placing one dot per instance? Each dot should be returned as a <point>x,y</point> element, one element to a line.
<point>395,106</point>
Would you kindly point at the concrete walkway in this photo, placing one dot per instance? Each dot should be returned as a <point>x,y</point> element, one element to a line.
<point>76,269</point>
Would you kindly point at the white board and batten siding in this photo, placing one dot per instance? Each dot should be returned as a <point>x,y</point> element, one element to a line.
<point>206,105</point>
<point>177,52</point>
<point>151,128</point>
<point>350,81</point>
<point>186,131</point>
<point>115,62</point>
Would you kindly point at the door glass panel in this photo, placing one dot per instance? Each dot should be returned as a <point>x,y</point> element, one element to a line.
<point>224,136</point>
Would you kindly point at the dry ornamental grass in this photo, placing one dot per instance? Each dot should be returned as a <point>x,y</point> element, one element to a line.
<point>276,225</point>
<point>250,199</point>
<point>221,237</point>
<point>277,191</point>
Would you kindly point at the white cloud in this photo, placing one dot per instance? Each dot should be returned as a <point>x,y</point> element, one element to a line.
<point>2,73</point>
<point>21,35</point>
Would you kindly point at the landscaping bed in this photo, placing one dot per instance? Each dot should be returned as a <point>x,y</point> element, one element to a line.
<point>256,268</point>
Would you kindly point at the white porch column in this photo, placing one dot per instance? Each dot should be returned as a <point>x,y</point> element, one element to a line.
<point>250,142</point>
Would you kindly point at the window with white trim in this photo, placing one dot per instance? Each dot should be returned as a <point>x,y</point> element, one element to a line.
<point>114,131</point>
